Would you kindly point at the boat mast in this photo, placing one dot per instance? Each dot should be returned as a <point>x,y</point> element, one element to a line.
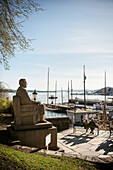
<point>84,86</point>
<point>62,95</point>
<point>68,93</point>
<point>48,87</point>
<point>105,88</point>
<point>71,92</point>
<point>104,111</point>
<point>55,92</point>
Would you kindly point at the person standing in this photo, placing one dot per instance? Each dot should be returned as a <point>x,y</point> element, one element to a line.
<point>92,125</point>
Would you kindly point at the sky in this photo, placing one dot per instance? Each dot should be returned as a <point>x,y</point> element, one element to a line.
<point>66,35</point>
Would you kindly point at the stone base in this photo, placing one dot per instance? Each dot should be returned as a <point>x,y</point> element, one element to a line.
<point>35,137</point>
<point>41,125</point>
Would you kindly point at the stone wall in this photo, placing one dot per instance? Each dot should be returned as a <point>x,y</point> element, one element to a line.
<point>61,123</point>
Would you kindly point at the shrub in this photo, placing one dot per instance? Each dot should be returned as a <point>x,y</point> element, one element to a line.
<point>6,105</point>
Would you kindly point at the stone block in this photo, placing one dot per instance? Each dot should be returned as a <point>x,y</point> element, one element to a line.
<point>35,137</point>
<point>41,125</point>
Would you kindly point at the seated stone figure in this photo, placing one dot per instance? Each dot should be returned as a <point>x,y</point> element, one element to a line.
<point>26,109</point>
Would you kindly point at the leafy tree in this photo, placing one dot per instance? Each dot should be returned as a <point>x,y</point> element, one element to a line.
<point>3,90</point>
<point>12,13</point>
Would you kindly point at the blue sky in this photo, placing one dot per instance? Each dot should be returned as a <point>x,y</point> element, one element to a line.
<point>67,35</point>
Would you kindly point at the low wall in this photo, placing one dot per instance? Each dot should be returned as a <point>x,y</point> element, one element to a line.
<point>61,123</point>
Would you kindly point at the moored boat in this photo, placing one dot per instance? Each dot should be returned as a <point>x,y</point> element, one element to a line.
<point>52,108</point>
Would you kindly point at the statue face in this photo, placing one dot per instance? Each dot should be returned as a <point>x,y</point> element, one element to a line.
<point>23,83</point>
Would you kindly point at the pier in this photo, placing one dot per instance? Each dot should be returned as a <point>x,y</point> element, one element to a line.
<point>89,102</point>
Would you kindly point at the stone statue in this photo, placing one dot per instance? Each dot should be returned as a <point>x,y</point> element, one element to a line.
<point>25,100</point>
<point>28,126</point>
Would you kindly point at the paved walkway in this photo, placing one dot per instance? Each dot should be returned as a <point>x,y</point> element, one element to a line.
<point>92,147</point>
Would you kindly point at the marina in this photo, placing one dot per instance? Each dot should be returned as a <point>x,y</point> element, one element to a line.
<point>78,108</point>
<point>56,85</point>
<point>65,106</point>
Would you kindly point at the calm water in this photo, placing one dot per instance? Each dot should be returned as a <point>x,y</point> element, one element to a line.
<point>42,97</point>
<point>53,114</point>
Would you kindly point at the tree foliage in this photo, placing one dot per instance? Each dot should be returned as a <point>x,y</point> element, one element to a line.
<point>3,90</point>
<point>12,15</point>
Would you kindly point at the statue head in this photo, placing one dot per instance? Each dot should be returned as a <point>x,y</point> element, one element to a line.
<point>23,83</point>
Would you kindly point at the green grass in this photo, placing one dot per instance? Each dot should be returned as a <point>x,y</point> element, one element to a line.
<point>12,158</point>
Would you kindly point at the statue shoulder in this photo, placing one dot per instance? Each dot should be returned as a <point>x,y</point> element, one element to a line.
<point>21,90</point>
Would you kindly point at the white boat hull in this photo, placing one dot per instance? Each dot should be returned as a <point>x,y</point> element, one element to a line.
<point>52,109</point>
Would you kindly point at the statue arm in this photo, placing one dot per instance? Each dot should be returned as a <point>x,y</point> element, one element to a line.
<point>29,101</point>
<point>33,102</point>
<point>25,99</point>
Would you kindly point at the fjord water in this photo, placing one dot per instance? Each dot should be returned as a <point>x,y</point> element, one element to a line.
<point>42,97</point>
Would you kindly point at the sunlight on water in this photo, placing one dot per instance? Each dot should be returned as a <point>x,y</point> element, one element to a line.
<point>42,97</point>
<point>53,114</point>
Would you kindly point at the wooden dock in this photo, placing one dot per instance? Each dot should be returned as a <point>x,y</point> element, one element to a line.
<point>90,102</point>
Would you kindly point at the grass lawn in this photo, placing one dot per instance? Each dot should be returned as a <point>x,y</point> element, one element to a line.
<point>13,159</point>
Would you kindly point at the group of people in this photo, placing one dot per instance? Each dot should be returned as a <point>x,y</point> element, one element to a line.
<point>90,124</point>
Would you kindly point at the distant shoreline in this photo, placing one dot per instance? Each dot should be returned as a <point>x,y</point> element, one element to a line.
<point>109,91</point>
<point>76,93</point>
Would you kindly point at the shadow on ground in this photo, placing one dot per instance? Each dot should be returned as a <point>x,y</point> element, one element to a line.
<point>77,139</point>
<point>6,139</point>
<point>107,146</point>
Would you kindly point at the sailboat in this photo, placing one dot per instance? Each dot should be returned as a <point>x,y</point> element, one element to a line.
<point>51,107</point>
<point>76,99</point>
<point>82,112</point>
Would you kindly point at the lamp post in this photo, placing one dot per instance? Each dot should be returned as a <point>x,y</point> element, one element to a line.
<point>34,95</point>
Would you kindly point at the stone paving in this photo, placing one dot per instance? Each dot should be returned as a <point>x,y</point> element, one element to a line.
<point>92,147</point>
<point>79,144</point>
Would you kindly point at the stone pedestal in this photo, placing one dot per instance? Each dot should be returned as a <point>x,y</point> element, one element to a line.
<point>35,135</point>
<point>29,125</point>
